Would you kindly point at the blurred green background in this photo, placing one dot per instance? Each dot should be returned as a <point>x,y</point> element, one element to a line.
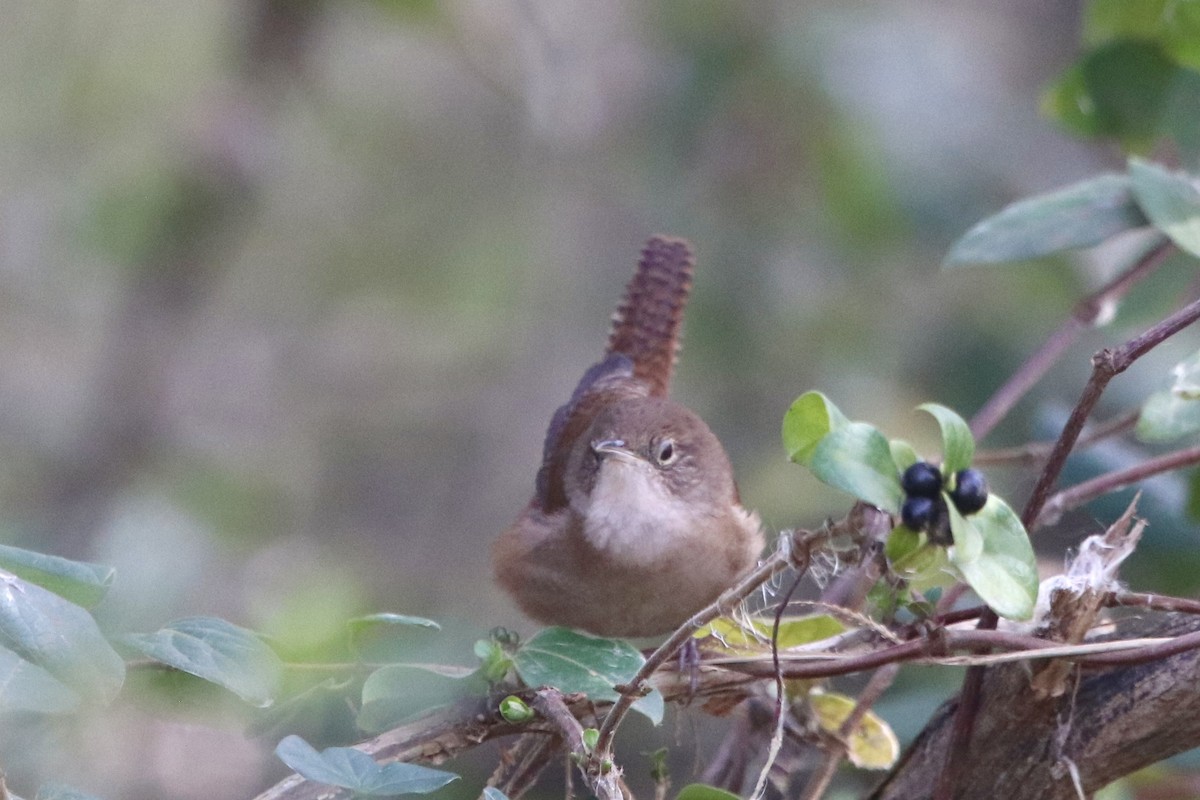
<point>290,288</point>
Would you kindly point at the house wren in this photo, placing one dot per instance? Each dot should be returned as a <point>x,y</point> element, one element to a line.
<point>635,523</point>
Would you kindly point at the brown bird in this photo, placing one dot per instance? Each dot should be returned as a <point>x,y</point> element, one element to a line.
<point>635,523</point>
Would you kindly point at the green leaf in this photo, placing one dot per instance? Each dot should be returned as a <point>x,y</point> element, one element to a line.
<point>1168,416</point>
<point>60,637</point>
<point>385,637</point>
<point>968,539</point>
<point>573,662</point>
<point>82,583</point>
<point>1113,19</point>
<point>901,543</point>
<point>28,687</point>
<point>958,446</point>
<point>810,418</point>
<point>904,455</point>
<point>355,770</point>
<point>1129,83</point>
<point>397,692</point>
<point>1004,573</point>
<point>871,744</point>
<point>702,791</point>
<point>857,459</point>
<point>217,651</point>
<point>1080,215</point>
<point>492,793</point>
<point>1171,200</point>
<point>793,631</point>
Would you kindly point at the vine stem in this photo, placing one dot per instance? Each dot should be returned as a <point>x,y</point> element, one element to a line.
<point>1106,365</point>
<point>779,560</point>
<point>1088,490</point>
<point>1087,313</point>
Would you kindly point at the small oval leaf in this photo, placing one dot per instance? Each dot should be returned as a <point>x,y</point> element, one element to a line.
<point>60,637</point>
<point>806,423</point>
<point>28,687</point>
<point>958,446</point>
<point>217,651</point>
<point>574,662</point>
<point>871,745</point>
<point>82,583</point>
<point>1167,416</point>
<point>353,769</point>
<point>1080,215</point>
<point>857,459</point>
<point>1171,200</point>
<point>1004,573</point>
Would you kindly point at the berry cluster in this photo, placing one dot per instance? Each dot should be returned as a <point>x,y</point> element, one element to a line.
<point>924,506</point>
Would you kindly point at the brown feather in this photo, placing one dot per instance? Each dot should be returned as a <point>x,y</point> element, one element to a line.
<point>647,322</point>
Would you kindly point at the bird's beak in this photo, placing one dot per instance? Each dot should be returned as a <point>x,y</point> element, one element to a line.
<point>611,447</point>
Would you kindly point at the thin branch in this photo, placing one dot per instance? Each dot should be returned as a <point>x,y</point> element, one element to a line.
<point>1106,365</point>
<point>1085,314</point>
<point>965,714</point>
<point>879,683</point>
<point>1084,492</point>
<point>777,562</point>
<point>1158,602</point>
<point>1037,451</point>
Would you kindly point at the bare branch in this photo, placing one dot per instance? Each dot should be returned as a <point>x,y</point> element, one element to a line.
<point>1085,314</point>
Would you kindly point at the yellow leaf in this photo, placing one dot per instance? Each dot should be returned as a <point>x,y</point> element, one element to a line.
<point>871,745</point>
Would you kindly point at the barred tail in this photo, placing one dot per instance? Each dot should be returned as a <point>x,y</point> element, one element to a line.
<point>646,323</point>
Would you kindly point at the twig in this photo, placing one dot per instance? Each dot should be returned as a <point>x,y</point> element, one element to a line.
<point>964,721</point>
<point>1085,314</point>
<point>879,683</point>
<point>760,786</point>
<point>1036,451</point>
<point>778,561</point>
<point>1106,365</point>
<point>1081,493</point>
<point>1158,602</point>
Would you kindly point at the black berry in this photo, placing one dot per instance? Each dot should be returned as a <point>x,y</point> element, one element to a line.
<point>922,479</point>
<point>918,512</point>
<point>970,491</point>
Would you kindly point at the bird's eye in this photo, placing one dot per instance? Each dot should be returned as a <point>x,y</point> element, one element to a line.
<point>665,452</point>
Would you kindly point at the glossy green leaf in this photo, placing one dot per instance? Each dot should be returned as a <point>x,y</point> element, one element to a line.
<point>1004,572</point>
<point>82,583</point>
<point>958,446</point>
<point>904,455</point>
<point>1171,200</point>
<point>395,693</point>
<point>1080,215</point>
<point>28,687</point>
<point>355,770</point>
<point>1168,416</point>
<point>857,459</point>
<point>217,651</point>
<point>573,662</point>
<point>806,423</point>
<point>968,539</point>
<point>702,791</point>
<point>60,637</point>
<point>385,637</point>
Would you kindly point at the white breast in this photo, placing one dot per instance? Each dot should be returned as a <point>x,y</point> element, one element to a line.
<point>631,514</point>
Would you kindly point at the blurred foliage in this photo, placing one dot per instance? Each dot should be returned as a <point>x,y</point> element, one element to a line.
<point>291,289</point>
